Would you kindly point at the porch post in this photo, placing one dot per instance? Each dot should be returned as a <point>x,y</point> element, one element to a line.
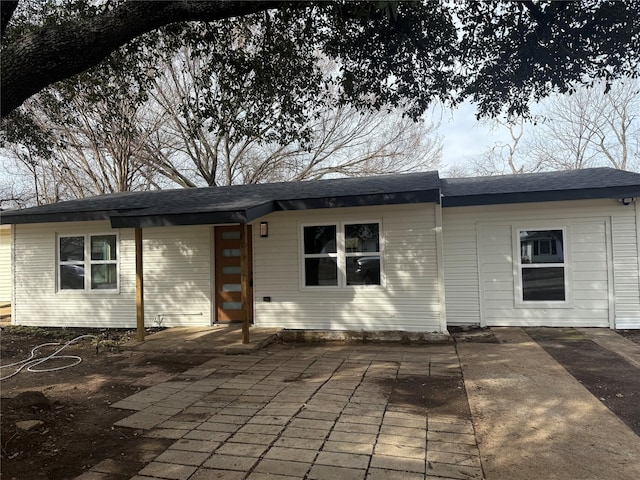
<point>139,286</point>
<point>244,280</point>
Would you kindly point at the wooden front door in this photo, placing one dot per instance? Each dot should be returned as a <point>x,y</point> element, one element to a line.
<point>228,285</point>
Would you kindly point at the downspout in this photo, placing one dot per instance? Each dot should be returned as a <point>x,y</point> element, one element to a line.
<point>440,262</point>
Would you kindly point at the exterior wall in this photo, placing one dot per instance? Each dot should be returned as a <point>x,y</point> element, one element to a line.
<point>603,267</point>
<point>6,277</point>
<point>178,283</point>
<point>176,271</point>
<point>37,301</point>
<point>408,300</point>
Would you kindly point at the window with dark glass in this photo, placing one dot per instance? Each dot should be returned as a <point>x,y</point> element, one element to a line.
<point>362,253</point>
<point>88,262</point>
<point>542,265</point>
<point>320,256</point>
<point>72,263</point>
<point>344,255</point>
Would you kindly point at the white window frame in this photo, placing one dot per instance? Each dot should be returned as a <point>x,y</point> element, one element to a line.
<point>341,255</point>
<point>518,266</point>
<point>87,263</point>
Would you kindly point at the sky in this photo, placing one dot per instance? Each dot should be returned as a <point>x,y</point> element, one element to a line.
<point>464,138</point>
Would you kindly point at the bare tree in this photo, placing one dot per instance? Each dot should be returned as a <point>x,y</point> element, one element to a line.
<point>96,141</point>
<point>191,150</point>
<point>85,146</point>
<point>591,127</point>
<point>505,157</point>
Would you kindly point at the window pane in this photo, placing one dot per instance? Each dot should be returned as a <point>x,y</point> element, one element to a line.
<point>103,247</point>
<point>362,237</point>
<point>541,246</point>
<point>321,271</point>
<point>543,284</point>
<point>231,270</point>
<point>71,277</point>
<point>231,235</point>
<point>363,270</point>
<point>232,305</point>
<point>104,277</point>
<point>71,249</point>
<point>321,239</point>
<point>231,252</point>
<point>231,287</point>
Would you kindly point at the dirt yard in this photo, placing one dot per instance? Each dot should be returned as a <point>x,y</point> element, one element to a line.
<point>74,428</point>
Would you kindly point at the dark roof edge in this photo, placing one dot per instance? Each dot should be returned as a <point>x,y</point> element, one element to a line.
<point>195,218</point>
<point>418,196</point>
<point>540,196</point>
<point>56,217</point>
<point>178,219</point>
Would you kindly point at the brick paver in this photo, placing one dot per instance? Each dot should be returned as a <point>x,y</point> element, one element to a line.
<point>307,412</point>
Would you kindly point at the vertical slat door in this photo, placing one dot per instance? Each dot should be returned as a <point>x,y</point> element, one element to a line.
<point>228,274</point>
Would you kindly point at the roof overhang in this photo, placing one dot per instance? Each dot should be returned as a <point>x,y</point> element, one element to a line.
<point>17,218</point>
<point>541,196</point>
<point>142,220</point>
<point>246,215</point>
<point>396,198</point>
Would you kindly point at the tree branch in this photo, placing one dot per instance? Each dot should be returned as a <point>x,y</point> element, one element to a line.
<point>7,7</point>
<point>58,51</point>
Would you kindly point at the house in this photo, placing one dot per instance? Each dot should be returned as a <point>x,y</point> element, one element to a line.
<point>5,264</point>
<point>408,252</point>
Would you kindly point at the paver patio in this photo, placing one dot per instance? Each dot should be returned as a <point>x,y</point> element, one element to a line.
<point>293,412</point>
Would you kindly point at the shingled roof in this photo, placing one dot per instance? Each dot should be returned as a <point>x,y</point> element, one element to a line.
<point>540,187</point>
<point>244,203</point>
<point>234,204</point>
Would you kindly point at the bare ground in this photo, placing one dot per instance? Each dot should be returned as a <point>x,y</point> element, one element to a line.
<point>77,429</point>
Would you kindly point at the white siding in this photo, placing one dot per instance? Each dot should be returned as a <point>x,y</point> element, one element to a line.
<point>479,272</point>
<point>462,294</point>
<point>5,264</point>
<point>36,300</point>
<point>176,275</point>
<point>408,300</point>
<point>626,263</point>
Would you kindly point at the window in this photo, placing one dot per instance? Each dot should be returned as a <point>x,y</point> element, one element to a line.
<point>87,262</point>
<point>362,253</point>
<point>341,255</point>
<point>542,265</point>
<point>320,256</point>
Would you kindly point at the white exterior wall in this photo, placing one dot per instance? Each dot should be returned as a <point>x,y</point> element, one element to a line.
<point>178,283</point>
<point>408,300</point>
<point>6,281</point>
<point>37,301</point>
<point>176,275</point>
<point>602,261</point>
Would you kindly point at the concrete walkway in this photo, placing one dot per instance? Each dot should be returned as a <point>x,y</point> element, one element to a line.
<point>533,420</point>
<point>214,339</point>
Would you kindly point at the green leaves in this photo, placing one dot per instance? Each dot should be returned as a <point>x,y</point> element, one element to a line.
<point>500,54</point>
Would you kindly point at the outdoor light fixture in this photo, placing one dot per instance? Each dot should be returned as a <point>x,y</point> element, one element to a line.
<point>264,229</point>
<point>627,200</point>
